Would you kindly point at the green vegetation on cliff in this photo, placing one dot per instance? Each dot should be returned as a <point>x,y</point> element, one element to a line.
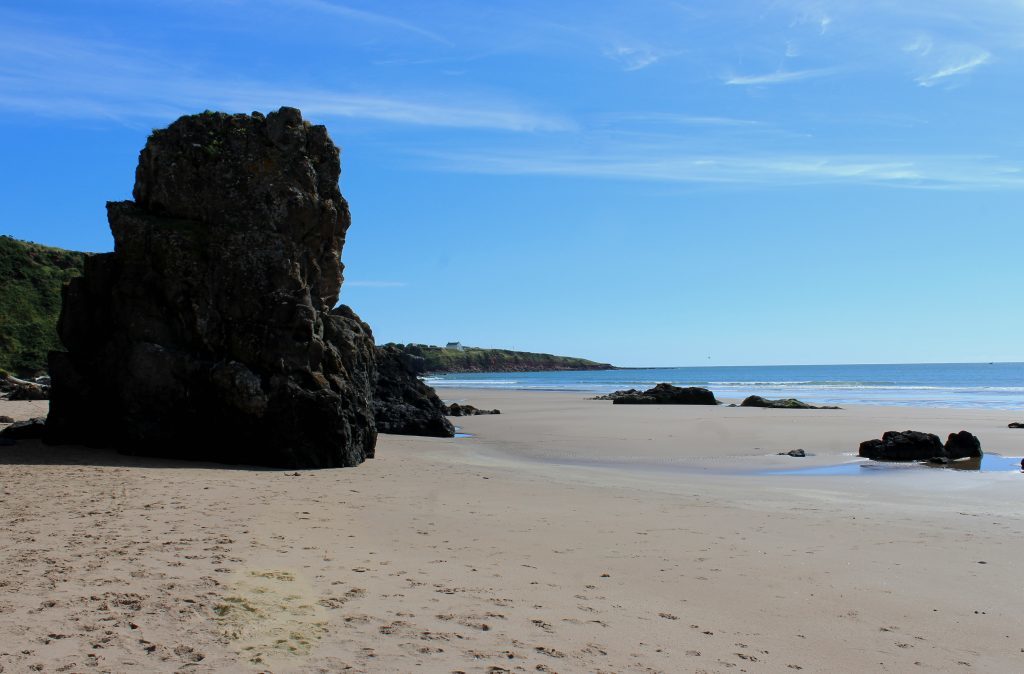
<point>423,358</point>
<point>31,277</point>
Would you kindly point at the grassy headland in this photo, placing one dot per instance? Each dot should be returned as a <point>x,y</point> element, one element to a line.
<point>426,358</point>
<point>31,277</point>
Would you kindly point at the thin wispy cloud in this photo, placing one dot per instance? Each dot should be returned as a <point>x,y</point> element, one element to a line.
<point>346,12</point>
<point>375,284</point>
<point>57,76</point>
<point>634,57</point>
<point>922,172</point>
<point>957,69</point>
<point>778,77</point>
<point>922,46</point>
<point>692,120</point>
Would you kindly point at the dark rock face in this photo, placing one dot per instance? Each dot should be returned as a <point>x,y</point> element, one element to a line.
<point>785,404</point>
<point>667,394</point>
<point>457,410</point>
<point>402,403</point>
<point>917,446</point>
<point>208,332</point>
<point>796,453</point>
<point>1016,424</point>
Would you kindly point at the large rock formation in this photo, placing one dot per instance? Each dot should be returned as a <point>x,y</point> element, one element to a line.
<point>208,333</point>
<point>402,403</point>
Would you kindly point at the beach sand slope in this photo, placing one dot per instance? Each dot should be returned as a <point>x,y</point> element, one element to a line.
<point>567,535</point>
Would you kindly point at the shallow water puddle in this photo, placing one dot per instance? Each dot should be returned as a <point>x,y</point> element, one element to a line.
<point>989,463</point>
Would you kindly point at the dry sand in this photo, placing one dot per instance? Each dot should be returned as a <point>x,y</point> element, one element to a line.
<point>567,535</point>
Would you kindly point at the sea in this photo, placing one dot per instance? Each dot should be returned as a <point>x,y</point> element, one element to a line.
<point>971,385</point>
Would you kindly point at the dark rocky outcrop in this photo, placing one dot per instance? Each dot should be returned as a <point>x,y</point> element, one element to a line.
<point>402,403</point>
<point>1016,424</point>
<point>208,333</point>
<point>796,453</point>
<point>785,404</point>
<point>917,446</point>
<point>667,394</point>
<point>31,429</point>
<point>457,410</point>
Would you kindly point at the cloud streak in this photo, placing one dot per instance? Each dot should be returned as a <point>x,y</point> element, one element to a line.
<point>66,78</point>
<point>919,172</point>
<point>347,12</point>
<point>957,69</point>
<point>375,284</point>
<point>778,77</point>
<point>634,57</point>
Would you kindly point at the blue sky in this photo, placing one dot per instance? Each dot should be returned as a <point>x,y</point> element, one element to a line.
<point>647,183</point>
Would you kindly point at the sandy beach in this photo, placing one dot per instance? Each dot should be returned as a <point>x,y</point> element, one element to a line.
<point>566,535</point>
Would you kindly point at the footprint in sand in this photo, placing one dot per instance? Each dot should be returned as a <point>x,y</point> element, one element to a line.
<point>272,615</point>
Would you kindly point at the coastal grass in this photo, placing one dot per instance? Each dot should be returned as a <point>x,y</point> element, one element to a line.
<point>30,298</point>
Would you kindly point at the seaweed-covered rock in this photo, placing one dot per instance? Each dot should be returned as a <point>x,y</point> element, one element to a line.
<point>208,333</point>
<point>457,410</point>
<point>785,404</point>
<point>667,394</point>
<point>402,403</point>
<point>616,394</point>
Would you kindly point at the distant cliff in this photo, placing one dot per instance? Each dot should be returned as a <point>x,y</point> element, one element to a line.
<point>31,277</point>
<point>423,358</point>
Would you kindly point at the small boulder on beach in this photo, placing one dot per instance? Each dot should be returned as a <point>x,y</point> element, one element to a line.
<point>667,394</point>
<point>918,446</point>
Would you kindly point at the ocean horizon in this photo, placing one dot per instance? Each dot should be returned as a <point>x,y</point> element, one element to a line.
<point>967,385</point>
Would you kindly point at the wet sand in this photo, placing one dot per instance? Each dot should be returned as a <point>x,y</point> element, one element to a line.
<point>566,535</point>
